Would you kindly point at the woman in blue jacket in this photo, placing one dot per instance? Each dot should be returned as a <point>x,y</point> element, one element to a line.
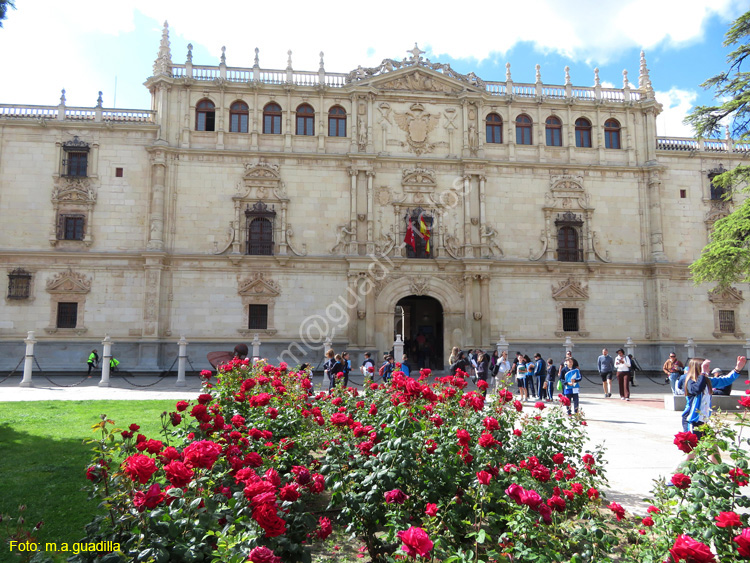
<point>571,386</point>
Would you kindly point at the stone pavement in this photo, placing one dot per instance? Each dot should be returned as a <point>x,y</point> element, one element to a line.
<point>638,434</point>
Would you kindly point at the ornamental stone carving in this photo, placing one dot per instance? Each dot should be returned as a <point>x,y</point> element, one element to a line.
<point>418,124</point>
<point>570,290</point>
<point>69,282</point>
<point>257,285</point>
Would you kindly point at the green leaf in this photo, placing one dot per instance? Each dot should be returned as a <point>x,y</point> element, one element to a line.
<point>481,536</point>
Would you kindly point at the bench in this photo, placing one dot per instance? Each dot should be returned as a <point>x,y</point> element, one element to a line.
<point>724,402</point>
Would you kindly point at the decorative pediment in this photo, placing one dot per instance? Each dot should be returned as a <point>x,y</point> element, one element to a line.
<point>728,296</point>
<point>418,177</point>
<point>69,282</point>
<point>567,192</point>
<point>570,290</point>
<point>73,190</point>
<point>262,171</point>
<point>261,180</point>
<point>717,210</point>
<point>258,285</point>
<point>416,73</point>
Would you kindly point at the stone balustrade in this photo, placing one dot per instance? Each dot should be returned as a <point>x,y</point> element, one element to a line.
<point>688,144</point>
<point>64,113</point>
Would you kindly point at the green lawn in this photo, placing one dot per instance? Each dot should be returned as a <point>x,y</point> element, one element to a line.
<point>43,458</point>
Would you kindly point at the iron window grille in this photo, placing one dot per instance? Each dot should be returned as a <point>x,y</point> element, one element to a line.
<point>67,315</point>
<point>568,240</point>
<point>257,317</point>
<point>19,284</point>
<point>260,227</point>
<point>718,193</point>
<point>726,321</point>
<point>570,320</point>
<point>75,158</point>
<point>71,227</point>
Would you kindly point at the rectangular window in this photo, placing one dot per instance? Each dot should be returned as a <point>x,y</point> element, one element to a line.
<point>76,163</point>
<point>238,123</point>
<point>258,317</point>
<point>67,315</point>
<point>726,321</point>
<point>272,124</point>
<point>71,227</point>
<point>683,194</point>
<point>19,284</point>
<point>554,137</point>
<point>118,172</point>
<point>570,320</point>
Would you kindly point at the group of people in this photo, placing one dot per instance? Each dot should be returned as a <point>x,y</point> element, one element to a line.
<point>623,366</point>
<point>93,362</point>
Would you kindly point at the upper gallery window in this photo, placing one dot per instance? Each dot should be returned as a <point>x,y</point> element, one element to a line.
<point>583,132</point>
<point>612,134</point>
<point>305,120</point>
<point>553,128</point>
<point>205,116</point>
<point>494,128</point>
<point>272,119</point>
<point>75,158</point>
<point>337,122</point>
<point>238,116</point>
<point>523,130</point>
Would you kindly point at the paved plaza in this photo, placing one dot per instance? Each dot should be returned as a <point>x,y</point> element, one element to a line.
<point>638,434</point>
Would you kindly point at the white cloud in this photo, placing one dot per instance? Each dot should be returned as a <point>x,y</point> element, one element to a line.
<point>677,104</point>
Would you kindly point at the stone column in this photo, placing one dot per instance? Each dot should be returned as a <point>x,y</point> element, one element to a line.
<point>256,346</point>
<point>568,345</point>
<point>468,249</point>
<point>181,360</point>
<point>156,219</point>
<point>370,212</point>
<point>353,174</point>
<point>28,364</point>
<point>106,357</point>
<point>655,221</point>
<point>485,308</point>
<point>630,347</point>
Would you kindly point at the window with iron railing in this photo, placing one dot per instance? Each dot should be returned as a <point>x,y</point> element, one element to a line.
<point>260,226</point>
<point>71,227</point>
<point>67,315</point>
<point>726,321</point>
<point>19,284</point>
<point>75,158</point>
<point>570,320</point>
<point>257,317</point>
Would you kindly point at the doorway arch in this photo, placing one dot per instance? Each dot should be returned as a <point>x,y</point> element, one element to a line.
<point>422,330</point>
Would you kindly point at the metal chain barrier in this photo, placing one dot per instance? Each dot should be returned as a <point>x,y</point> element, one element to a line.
<point>14,371</point>
<point>161,376</point>
<point>45,376</point>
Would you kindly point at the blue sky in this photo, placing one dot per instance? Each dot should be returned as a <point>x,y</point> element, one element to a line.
<point>47,45</point>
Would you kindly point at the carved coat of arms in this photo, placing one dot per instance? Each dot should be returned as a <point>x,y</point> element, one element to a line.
<point>418,124</point>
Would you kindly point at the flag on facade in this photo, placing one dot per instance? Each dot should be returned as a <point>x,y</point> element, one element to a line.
<point>409,238</point>
<point>425,234</point>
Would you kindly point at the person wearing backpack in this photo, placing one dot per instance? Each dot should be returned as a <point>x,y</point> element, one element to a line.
<point>460,364</point>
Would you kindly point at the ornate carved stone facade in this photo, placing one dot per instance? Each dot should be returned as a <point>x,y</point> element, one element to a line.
<point>169,197</point>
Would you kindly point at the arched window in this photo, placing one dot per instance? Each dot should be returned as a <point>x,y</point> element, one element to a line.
<point>205,116</point>
<point>612,134</point>
<point>337,122</point>
<point>567,245</point>
<point>272,119</point>
<point>494,128</point>
<point>523,130</point>
<point>260,221</point>
<point>305,120</point>
<point>554,132</point>
<point>238,114</point>
<point>583,132</point>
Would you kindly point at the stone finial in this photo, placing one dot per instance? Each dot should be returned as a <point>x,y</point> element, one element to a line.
<point>223,56</point>
<point>62,97</point>
<point>163,62</point>
<point>190,53</point>
<point>416,54</point>
<point>597,82</point>
<point>256,61</point>
<point>538,73</point>
<point>625,83</point>
<point>726,133</point>
<point>644,81</point>
<point>507,72</point>
<point>99,100</point>
<point>289,60</point>
<point>567,75</point>
<point>321,61</point>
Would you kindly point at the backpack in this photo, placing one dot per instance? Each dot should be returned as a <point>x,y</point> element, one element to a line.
<point>381,371</point>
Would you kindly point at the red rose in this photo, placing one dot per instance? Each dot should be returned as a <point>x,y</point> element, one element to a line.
<point>325,528</point>
<point>201,454</point>
<point>204,398</point>
<point>647,521</point>
<point>301,474</point>
<point>518,406</point>
<point>396,496</point>
<point>482,385</point>
<point>617,509</point>
<point>517,432</point>
<point>685,441</point>
<point>592,493</point>
<point>463,437</point>
<point>134,427</point>
<point>532,499</point>
<point>431,510</point>
<point>178,473</point>
<point>487,440</point>
<point>681,481</point>
<point>373,410</point>
<point>181,406</point>
<point>175,418</point>
<point>491,424</point>
<point>564,401</point>
<point>96,473</point>
<point>150,499</point>
<point>557,503</point>
<point>653,510</point>
<point>539,405</point>
<point>289,492</point>
<point>140,467</point>
<point>200,413</point>
<point>262,554</point>
<point>728,520</point>
<point>558,458</point>
<point>416,542</point>
<point>745,402</point>
<point>739,477</point>
<point>484,477</point>
<point>515,492</point>
<point>546,513</point>
<point>266,516</point>
<point>691,551</point>
<point>743,543</point>
<point>431,446</point>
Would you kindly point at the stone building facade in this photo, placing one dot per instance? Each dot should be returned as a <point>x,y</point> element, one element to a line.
<point>277,202</point>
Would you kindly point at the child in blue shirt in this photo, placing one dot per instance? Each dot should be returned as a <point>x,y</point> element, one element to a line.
<point>571,386</point>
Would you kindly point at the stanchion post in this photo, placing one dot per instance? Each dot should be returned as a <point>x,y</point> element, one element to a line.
<point>106,358</point>
<point>568,345</point>
<point>502,345</point>
<point>29,360</point>
<point>398,349</point>
<point>690,348</point>
<point>181,360</point>
<point>256,346</point>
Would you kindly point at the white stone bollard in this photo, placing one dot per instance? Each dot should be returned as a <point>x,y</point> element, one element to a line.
<point>690,348</point>
<point>502,345</point>
<point>747,349</point>
<point>28,364</point>
<point>398,349</point>
<point>256,346</point>
<point>568,345</point>
<point>181,361</point>
<point>106,357</point>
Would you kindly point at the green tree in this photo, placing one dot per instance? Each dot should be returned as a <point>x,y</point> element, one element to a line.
<point>4,5</point>
<point>726,258</point>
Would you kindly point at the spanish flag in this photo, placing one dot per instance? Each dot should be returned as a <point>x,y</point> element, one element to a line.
<point>409,238</point>
<point>425,233</point>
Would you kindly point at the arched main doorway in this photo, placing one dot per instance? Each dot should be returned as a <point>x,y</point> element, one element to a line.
<point>422,330</point>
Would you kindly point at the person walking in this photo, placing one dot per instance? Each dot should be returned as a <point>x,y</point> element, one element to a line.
<point>571,385</point>
<point>454,356</point>
<point>622,366</point>
<point>606,366</point>
<point>503,368</point>
<point>521,377</point>
<point>346,363</point>
<point>549,381</point>
<point>93,361</point>
<point>483,370</point>
<point>540,373</point>
<point>113,363</point>
<point>673,369</point>
<point>405,366</point>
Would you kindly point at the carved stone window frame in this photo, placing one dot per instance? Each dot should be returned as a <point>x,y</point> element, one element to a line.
<point>729,299</point>
<point>75,146</point>
<point>68,287</point>
<point>259,211</point>
<point>20,274</point>
<point>72,196</point>
<point>570,294</point>
<point>258,289</point>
